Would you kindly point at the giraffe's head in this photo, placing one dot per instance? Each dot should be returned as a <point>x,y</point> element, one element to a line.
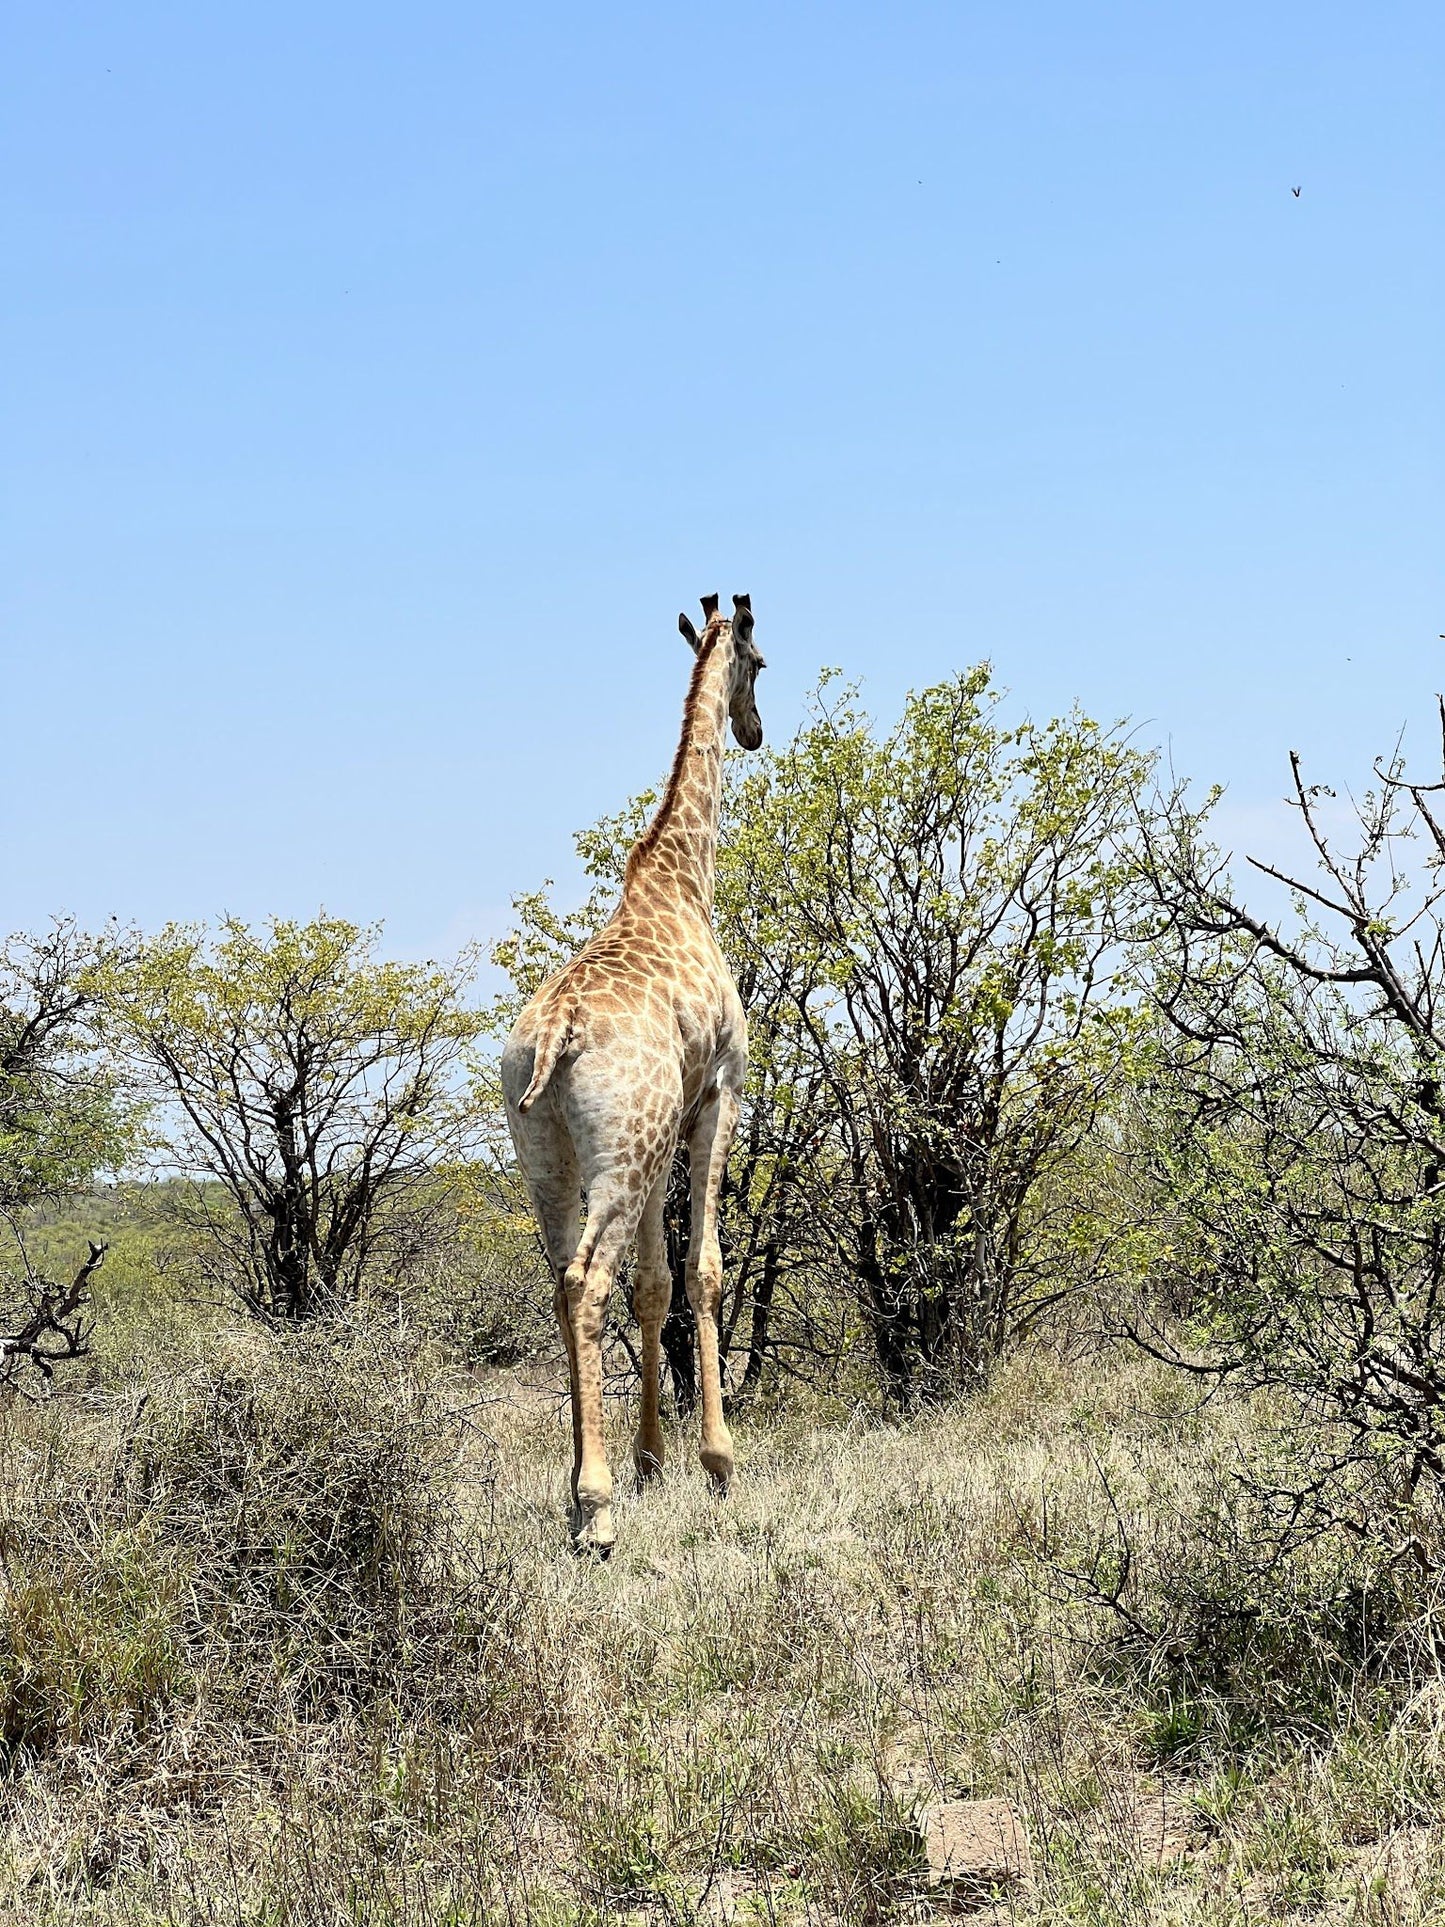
<point>746,661</point>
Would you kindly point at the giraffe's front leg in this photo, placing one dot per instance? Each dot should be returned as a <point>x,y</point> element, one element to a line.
<point>564,1325</point>
<point>708,1146</point>
<point>651,1297</point>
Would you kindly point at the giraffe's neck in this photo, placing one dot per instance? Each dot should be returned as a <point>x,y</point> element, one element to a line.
<point>676,855</point>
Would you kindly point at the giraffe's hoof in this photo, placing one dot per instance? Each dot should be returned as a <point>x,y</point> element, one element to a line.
<point>717,1462</point>
<point>593,1533</point>
<point>647,1458</point>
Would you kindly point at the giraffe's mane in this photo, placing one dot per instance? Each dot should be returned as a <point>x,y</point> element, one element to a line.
<point>648,840</point>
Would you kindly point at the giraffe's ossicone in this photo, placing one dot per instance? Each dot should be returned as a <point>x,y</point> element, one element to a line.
<point>639,1043</point>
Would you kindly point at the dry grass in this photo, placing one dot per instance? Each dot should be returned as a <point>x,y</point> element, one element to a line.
<point>292,1635</point>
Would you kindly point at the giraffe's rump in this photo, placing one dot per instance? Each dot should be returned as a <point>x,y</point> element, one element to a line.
<point>553,1037</point>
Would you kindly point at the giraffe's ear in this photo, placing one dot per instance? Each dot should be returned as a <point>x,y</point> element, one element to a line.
<point>709,607</point>
<point>688,632</point>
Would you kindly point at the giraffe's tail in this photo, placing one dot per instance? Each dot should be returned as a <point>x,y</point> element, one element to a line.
<point>552,1040</point>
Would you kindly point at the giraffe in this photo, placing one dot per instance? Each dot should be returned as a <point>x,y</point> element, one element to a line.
<point>639,1043</point>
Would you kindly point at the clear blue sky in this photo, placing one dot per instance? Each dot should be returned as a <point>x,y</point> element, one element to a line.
<point>381,380</point>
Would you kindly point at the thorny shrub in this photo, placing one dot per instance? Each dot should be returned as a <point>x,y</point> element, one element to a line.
<point>1224,1629</point>
<point>272,1529</point>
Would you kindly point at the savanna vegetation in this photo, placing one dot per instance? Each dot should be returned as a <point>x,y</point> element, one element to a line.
<point>1085,1350</point>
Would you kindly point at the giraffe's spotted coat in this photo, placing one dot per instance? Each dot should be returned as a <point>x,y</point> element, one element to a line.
<point>638,1043</point>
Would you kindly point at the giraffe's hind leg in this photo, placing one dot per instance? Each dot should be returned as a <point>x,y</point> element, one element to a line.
<point>549,1166</point>
<point>624,1144</point>
<point>613,1210</point>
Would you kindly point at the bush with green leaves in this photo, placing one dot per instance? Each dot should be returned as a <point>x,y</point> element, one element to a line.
<point>64,1113</point>
<point>65,1118</point>
<point>1293,1128</point>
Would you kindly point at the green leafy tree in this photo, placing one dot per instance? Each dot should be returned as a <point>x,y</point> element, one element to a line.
<point>928,926</point>
<point>311,1093</point>
<point>65,1119</point>
<point>65,1116</point>
<point>970,890</point>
